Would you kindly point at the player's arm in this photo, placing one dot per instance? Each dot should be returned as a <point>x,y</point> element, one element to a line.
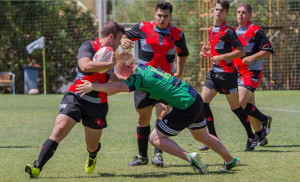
<point>116,77</point>
<point>263,44</point>
<point>110,88</point>
<point>180,66</point>
<point>236,43</point>
<point>255,57</point>
<point>182,53</point>
<point>86,64</point>
<point>126,43</point>
<point>129,36</point>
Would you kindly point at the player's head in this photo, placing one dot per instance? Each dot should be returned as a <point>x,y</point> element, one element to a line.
<point>111,34</point>
<point>126,63</point>
<point>221,9</point>
<point>244,13</point>
<point>163,14</point>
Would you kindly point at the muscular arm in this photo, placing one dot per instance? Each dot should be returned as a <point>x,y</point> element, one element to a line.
<point>110,88</point>
<point>85,56</point>
<point>116,77</point>
<point>87,65</point>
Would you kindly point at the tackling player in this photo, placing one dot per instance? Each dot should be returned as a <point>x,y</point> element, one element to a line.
<point>186,103</point>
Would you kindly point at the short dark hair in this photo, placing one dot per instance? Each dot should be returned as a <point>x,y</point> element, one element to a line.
<point>225,4</point>
<point>111,27</point>
<point>164,5</point>
<point>247,6</point>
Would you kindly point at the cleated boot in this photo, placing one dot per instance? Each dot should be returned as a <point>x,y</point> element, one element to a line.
<point>157,160</point>
<point>139,160</point>
<point>227,167</point>
<point>90,165</point>
<point>33,170</point>
<point>197,164</point>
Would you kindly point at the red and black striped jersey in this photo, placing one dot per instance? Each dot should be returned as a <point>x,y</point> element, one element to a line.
<point>222,40</point>
<point>254,40</point>
<point>157,47</point>
<point>89,49</point>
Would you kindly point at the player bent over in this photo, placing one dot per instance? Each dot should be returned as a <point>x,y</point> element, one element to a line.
<point>187,109</point>
<point>91,109</point>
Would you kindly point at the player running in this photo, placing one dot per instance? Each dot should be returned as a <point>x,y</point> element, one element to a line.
<point>257,47</point>
<point>91,109</point>
<point>187,109</point>
<point>223,75</point>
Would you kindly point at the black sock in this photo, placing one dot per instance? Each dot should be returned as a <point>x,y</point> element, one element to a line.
<point>259,133</point>
<point>210,119</point>
<point>156,150</point>
<point>92,155</point>
<point>142,134</point>
<point>242,115</point>
<point>251,110</point>
<point>47,151</point>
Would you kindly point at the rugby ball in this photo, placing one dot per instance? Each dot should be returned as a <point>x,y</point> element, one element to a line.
<point>103,55</point>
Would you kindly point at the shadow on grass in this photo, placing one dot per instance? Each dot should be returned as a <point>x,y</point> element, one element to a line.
<point>15,147</point>
<point>142,175</point>
<point>279,146</point>
<point>274,151</point>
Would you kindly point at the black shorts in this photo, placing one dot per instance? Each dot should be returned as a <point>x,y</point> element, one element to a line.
<point>92,115</point>
<point>224,83</point>
<point>178,119</point>
<point>142,100</point>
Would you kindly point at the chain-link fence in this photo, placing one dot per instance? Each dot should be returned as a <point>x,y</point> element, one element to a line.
<point>66,26</point>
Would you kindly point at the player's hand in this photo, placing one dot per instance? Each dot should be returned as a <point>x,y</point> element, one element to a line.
<point>216,59</point>
<point>247,60</point>
<point>84,88</point>
<point>178,75</point>
<point>113,58</point>
<point>205,51</point>
<point>127,43</point>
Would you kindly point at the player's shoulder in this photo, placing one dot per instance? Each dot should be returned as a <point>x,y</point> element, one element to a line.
<point>254,28</point>
<point>175,28</point>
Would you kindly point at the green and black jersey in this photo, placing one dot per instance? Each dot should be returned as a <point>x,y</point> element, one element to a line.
<point>162,85</point>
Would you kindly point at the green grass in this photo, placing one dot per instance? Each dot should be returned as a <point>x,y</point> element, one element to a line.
<point>27,121</point>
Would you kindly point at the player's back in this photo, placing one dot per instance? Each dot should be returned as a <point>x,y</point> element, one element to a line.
<point>162,85</point>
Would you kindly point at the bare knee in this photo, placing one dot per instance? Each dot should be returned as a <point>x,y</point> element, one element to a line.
<point>153,139</point>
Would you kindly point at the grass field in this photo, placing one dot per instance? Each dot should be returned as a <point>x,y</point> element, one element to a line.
<point>27,121</point>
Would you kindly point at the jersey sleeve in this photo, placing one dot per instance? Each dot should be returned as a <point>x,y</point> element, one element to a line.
<point>86,50</point>
<point>263,42</point>
<point>133,82</point>
<point>233,39</point>
<point>182,49</point>
<point>134,33</point>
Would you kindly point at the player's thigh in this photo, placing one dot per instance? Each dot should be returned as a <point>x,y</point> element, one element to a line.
<point>208,94</point>
<point>156,135</point>
<point>200,134</point>
<point>161,110</point>
<point>233,100</point>
<point>92,137</point>
<point>244,96</point>
<point>144,116</point>
<point>63,126</point>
